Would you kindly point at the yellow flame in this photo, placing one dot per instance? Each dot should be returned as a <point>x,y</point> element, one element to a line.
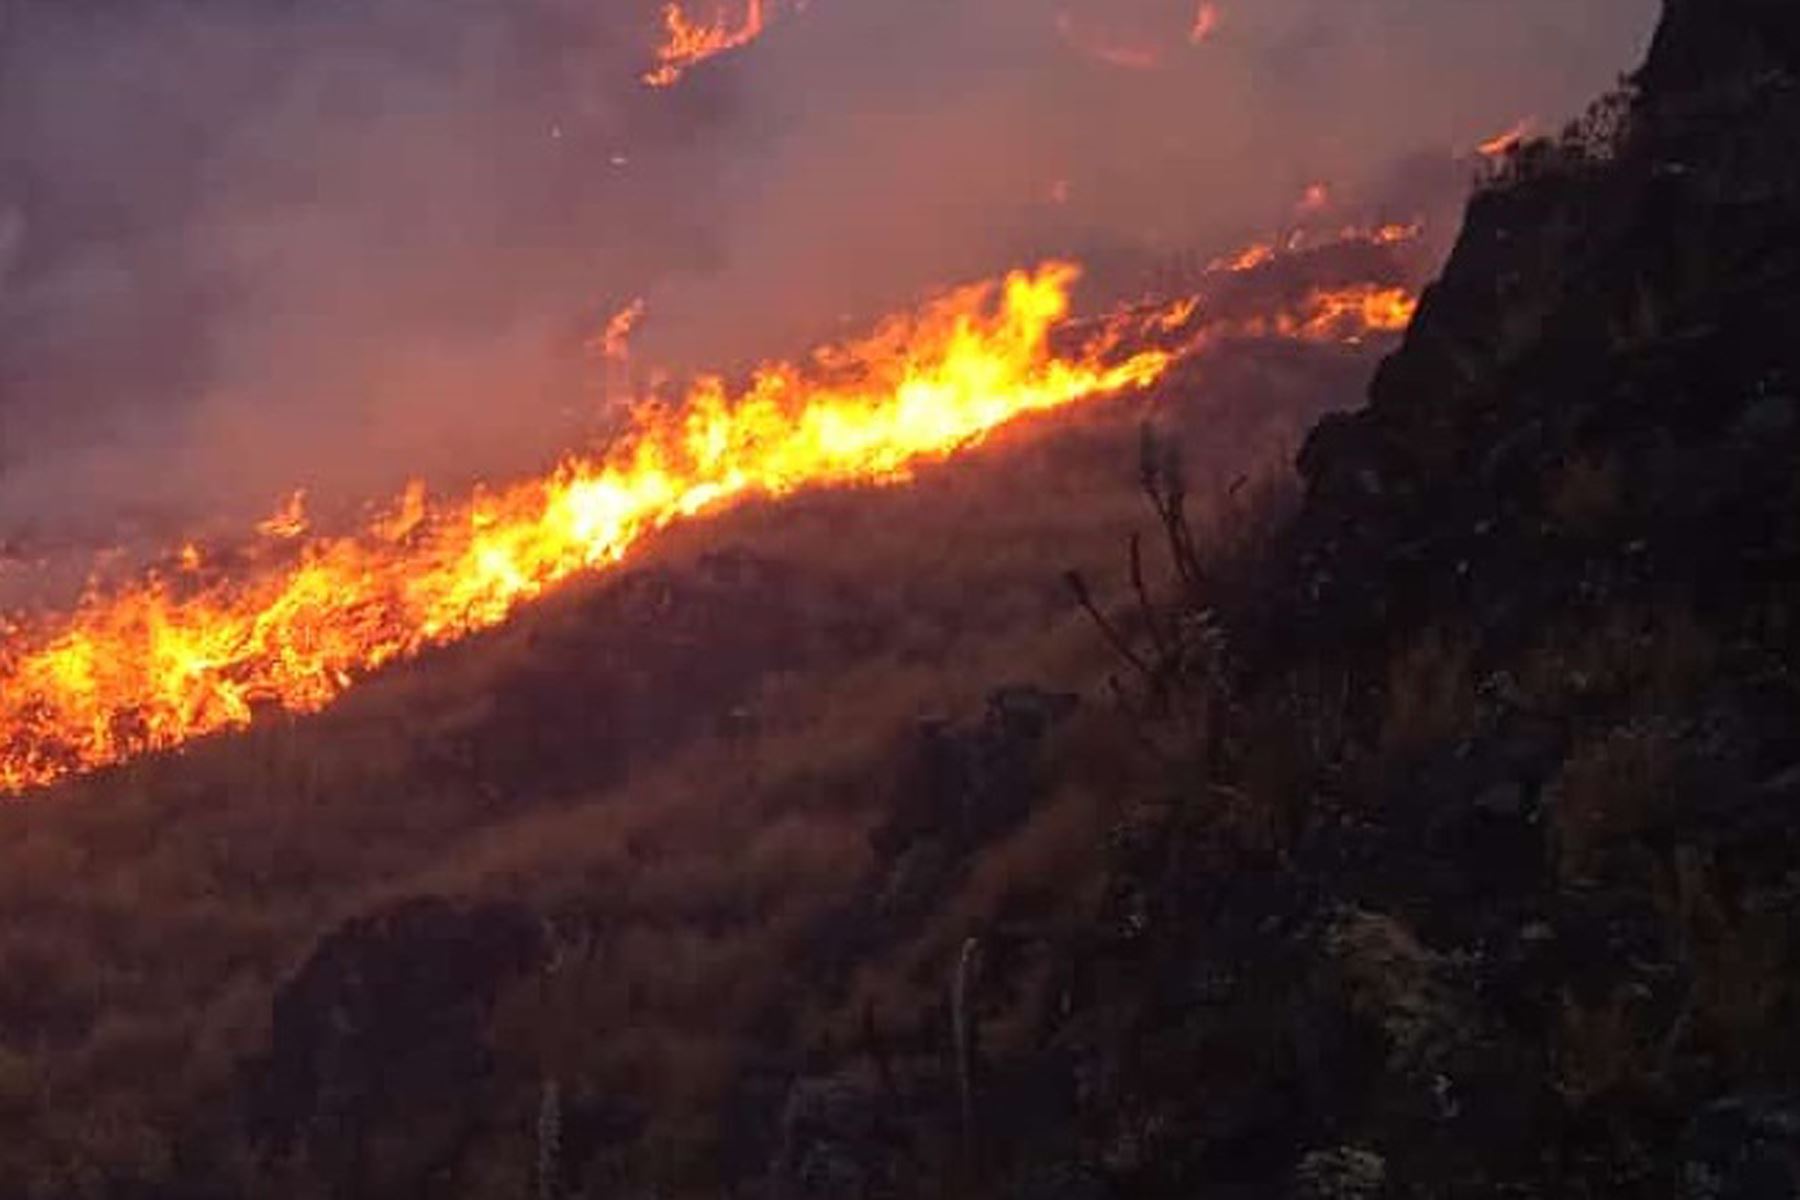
<point>167,660</point>
<point>157,663</point>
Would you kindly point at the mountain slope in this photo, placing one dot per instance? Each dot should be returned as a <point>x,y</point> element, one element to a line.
<point>1478,878</point>
<point>1436,837</point>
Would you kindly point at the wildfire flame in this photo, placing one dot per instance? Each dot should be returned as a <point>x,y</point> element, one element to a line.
<point>1504,143</point>
<point>174,657</point>
<point>614,342</point>
<point>1340,315</point>
<point>687,41</point>
<point>287,522</point>
<point>1261,254</point>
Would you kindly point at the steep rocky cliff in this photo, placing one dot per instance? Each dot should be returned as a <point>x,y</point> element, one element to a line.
<point>1487,884</point>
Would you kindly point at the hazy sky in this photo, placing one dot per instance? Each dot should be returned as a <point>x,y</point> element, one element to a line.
<point>252,244</point>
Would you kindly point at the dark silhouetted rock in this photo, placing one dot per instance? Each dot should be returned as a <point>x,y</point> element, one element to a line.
<point>378,1053</point>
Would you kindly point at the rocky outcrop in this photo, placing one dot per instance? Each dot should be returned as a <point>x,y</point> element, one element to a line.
<point>377,1070</point>
<point>1527,927</point>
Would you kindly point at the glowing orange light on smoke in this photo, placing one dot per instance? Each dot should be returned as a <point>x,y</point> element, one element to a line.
<point>1125,56</point>
<point>687,41</point>
<point>1206,22</point>
<point>1316,198</point>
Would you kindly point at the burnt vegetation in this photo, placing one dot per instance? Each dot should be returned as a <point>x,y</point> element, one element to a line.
<point>1424,826</point>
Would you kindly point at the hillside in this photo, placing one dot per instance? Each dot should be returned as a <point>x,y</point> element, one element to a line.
<point>669,775</point>
<point>1474,873</point>
<point>1422,829</point>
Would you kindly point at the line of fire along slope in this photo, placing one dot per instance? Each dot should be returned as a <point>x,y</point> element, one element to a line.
<point>190,649</point>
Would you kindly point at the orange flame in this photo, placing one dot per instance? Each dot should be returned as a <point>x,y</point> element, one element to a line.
<point>1255,255</point>
<point>1261,254</point>
<point>287,522</point>
<point>1346,314</point>
<point>169,659</point>
<point>614,342</point>
<point>1504,143</point>
<point>687,42</point>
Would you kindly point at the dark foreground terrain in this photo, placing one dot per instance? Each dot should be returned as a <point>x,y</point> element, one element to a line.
<point>1435,836</point>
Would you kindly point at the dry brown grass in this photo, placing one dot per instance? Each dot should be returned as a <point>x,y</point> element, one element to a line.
<point>148,914</point>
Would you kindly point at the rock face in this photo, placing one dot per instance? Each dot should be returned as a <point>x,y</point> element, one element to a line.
<point>374,1081</point>
<point>1530,926</point>
<point>1597,396</point>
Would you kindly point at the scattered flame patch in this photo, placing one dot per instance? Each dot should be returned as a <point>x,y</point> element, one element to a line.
<point>614,342</point>
<point>1502,144</point>
<point>687,42</point>
<point>1341,315</point>
<point>1255,255</point>
<point>285,523</point>
<point>1261,254</point>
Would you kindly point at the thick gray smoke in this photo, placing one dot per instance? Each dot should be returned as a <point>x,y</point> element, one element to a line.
<point>247,245</point>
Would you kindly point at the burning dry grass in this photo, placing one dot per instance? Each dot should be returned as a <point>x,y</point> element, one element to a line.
<point>185,653</point>
<point>152,909</point>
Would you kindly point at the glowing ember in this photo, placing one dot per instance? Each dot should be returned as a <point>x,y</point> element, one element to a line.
<point>687,41</point>
<point>1316,198</point>
<point>1206,22</point>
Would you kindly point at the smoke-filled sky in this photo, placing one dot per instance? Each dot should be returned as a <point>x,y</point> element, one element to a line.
<point>248,245</point>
